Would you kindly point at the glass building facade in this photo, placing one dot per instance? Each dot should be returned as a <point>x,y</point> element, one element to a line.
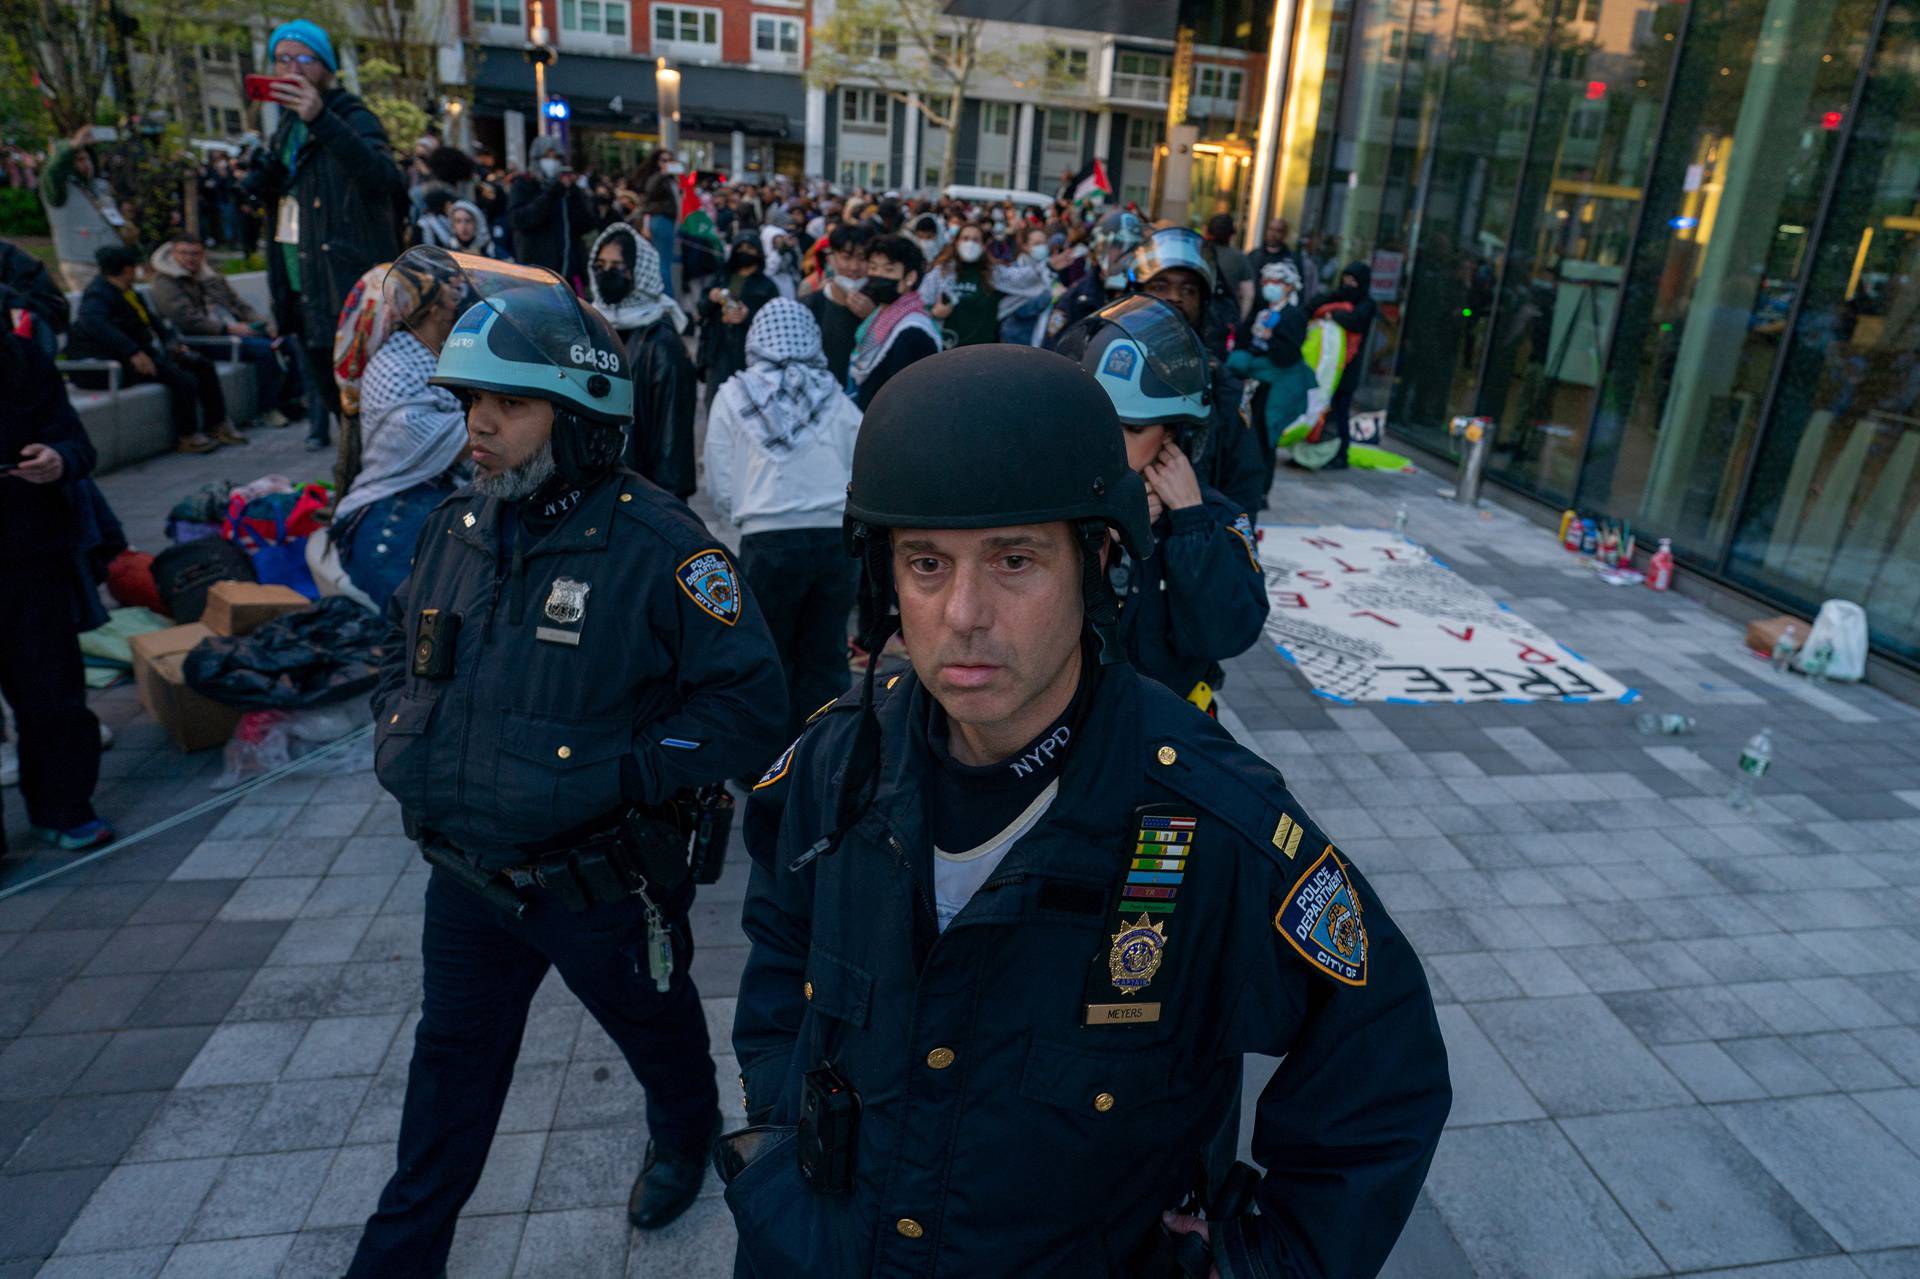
<point>1671,249</point>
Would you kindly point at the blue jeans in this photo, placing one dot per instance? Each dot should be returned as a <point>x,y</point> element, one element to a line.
<point>376,542</point>
<point>281,389</point>
<point>481,972</point>
<point>661,231</point>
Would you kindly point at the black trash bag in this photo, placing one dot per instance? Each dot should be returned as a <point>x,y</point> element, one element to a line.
<point>322,654</point>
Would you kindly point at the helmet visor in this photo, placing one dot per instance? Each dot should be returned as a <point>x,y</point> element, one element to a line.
<point>1173,248</point>
<point>1173,349</point>
<point>543,324</point>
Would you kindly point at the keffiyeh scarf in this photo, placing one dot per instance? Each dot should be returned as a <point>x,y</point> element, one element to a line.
<point>786,384</point>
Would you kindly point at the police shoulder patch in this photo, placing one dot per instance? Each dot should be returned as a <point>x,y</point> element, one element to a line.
<point>709,579</point>
<point>1320,918</point>
<point>1242,528</point>
<point>779,767</point>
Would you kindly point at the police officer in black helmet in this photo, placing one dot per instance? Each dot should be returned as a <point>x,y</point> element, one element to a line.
<point>574,664</point>
<point>1017,913</point>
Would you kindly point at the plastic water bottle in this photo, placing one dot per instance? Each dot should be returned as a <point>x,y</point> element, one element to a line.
<point>1400,522</point>
<point>1663,725</point>
<point>1754,759</point>
<point>1784,648</point>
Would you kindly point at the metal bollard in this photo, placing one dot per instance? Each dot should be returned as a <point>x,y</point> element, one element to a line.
<point>1475,435</point>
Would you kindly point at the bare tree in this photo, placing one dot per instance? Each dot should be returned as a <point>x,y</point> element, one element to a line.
<point>917,53</point>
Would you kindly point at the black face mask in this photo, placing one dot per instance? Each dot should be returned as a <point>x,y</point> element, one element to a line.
<point>741,263</point>
<point>881,289</point>
<point>613,285</point>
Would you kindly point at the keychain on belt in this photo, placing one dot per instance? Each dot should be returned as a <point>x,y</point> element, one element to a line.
<point>659,945</point>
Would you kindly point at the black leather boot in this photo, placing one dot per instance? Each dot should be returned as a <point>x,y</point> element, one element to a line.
<point>668,1183</point>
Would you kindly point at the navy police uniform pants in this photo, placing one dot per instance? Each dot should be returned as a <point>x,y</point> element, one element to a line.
<point>805,589</point>
<point>481,973</point>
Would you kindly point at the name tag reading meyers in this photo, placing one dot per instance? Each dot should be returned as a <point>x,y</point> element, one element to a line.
<point>1121,1014</point>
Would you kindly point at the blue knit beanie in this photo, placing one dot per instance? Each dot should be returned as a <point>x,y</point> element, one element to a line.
<point>307,33</point>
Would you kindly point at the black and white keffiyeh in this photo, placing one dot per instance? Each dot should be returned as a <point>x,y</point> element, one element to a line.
<point>786,383</point>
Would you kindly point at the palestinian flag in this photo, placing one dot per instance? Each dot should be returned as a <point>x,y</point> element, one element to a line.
<point>1090,183</point>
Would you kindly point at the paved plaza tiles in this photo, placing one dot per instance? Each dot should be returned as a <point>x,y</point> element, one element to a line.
<point>1684,1039</point>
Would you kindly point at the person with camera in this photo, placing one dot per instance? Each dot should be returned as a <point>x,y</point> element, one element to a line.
<point>1017,913</point>
<point>575,663</point>
<point>335,197</point>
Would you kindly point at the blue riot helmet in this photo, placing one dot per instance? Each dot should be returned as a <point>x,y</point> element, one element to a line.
<point>1151,364</point>
<point>1115,237</point>
<point>526,333</point>
<point>1173,248</point>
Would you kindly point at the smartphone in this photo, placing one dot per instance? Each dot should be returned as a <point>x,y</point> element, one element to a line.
<point>105,133</point>
<point>259,88</point>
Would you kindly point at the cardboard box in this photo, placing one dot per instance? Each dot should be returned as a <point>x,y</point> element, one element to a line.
<point>194,722</point>
<point>238,608</point>
<point>1762,632</point>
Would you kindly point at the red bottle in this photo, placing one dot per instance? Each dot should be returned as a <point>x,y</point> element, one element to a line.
<point>1660,567</point>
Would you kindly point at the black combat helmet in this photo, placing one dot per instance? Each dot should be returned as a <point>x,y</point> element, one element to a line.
<point>983,437</point>
<point>990,436</point>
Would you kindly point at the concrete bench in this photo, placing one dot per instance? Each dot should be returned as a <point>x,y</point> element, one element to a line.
<point>129,424</point>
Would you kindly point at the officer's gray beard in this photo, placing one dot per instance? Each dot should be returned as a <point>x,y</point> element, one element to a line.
<point>521,480</point>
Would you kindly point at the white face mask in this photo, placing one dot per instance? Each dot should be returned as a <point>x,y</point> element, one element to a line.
<point>970,250</point>
<point>550,166</point>
<point>929,246</point>
<point>1273,292</point>
<point>1038,252</point>
<point>849,283</point>
<point>674,166</point>
<point>1118,280</point>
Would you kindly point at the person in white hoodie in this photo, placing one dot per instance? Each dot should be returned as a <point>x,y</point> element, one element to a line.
<point>779,454</point>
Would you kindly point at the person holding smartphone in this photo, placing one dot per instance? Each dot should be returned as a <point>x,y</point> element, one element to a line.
<point>44,450</point>
<point>335,199</point>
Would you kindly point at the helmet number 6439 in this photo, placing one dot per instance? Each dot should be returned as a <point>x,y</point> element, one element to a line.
<point>581,353</point>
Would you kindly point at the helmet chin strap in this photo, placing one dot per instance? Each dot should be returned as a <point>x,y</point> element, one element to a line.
<point>1101,605</point>
<point>584,452</point>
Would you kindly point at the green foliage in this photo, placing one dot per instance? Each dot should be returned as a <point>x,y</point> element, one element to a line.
<point>402,119</point>
<point>21,213</point>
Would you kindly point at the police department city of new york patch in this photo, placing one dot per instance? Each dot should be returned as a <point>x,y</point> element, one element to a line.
<point>709,581</point>
<point>778,769</point>
<point>1321,920</point>
<point>1242,528</point>
<point>1136,954</point>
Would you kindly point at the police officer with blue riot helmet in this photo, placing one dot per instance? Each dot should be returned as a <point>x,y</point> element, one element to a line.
<point>1017,913</point>
<point>1174,266</point>
<point>574,665</point>
<point>1200,596</point>
<point>1115,237</point>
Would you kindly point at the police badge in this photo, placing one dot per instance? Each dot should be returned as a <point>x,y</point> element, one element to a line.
<point>1135,955</point>
<point>567,606</point>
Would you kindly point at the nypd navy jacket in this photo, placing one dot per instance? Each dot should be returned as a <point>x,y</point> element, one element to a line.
<point>1037,1082</point>
<point>1200,598</point>
<point>619,659</point>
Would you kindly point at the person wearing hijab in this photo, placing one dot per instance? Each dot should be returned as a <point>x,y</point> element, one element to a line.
<point>627,288</point>
<point>783,260</point>
<point>779,453</point>
<point>412,437</point>
<point>469,230</point>
<point>728,309</point>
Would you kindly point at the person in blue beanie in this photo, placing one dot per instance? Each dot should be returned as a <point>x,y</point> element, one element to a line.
<point>334,197</point>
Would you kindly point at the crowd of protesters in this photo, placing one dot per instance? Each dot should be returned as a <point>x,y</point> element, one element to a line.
<point>782,305</point>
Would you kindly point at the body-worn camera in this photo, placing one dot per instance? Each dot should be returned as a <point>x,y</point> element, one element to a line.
<point>829,1123</point>
<point>434,644</point>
